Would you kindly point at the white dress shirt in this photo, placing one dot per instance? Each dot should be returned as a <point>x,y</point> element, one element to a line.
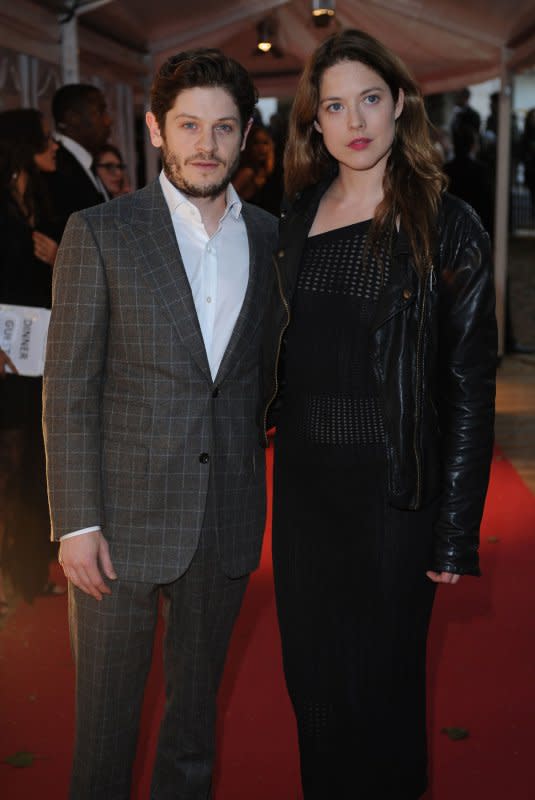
<point>217,268</point>
<point>84,158</point>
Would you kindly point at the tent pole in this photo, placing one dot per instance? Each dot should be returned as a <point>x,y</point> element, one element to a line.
<point>503,192</point>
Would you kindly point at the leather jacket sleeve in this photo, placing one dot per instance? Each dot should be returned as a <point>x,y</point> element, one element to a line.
<point>467,357</point>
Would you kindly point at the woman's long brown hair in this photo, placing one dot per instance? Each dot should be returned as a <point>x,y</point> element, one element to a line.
<point>413,181</point>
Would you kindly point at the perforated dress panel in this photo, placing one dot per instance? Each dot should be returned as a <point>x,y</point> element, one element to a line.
<point>331,405</point>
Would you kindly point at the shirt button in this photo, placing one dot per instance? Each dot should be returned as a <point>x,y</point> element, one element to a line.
<point>210,248</point>
<point>281,254</point>
<point>204,458</point>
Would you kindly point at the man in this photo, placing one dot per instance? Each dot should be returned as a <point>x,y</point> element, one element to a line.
<point>83,125</point>
<point>156,475</point>
<point>463,113</point>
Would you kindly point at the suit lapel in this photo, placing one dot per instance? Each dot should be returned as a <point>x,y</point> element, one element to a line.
<point>150,234</point>
<point>251,311</point>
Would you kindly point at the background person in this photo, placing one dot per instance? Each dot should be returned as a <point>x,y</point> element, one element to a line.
<point>155,330</point>
<point>111,170</point>
<point>29,232</point>
<point>83,126</point>
<point>256,180</point>
<point>379,368</point>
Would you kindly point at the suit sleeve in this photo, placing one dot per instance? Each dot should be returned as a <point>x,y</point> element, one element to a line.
<point>74,370</point>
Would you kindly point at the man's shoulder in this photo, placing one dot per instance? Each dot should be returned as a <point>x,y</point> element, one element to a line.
<point>139,203</point>
<point>258,219</point>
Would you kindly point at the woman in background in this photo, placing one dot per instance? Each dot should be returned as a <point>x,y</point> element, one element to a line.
<point>256,180</point>
<point>29,232</point>
<point>111,170</point>
<point>379,373</point>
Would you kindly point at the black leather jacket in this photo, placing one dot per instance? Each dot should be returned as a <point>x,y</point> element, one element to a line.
<point>435,355</point>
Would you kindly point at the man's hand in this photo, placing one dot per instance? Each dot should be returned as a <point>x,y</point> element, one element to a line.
<point>443,577</point>
<point>82,558</point>
<point>5,361</point>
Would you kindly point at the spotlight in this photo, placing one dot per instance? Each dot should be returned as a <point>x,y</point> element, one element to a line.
<point>265,34</point>
<point>322,11</point>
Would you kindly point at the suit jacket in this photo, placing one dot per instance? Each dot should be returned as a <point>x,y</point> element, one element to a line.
<point>70,187</point>
<point>135,427</point>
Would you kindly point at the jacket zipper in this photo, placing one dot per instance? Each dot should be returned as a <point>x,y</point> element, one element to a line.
<point>419,399</point>
<point>283,329</point>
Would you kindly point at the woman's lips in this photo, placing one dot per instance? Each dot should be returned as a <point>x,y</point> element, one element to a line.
<point>359,144</point>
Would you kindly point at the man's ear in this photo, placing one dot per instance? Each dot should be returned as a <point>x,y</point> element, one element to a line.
<point>317,126</point>
<point>154,129</point>
<point>246,134</point>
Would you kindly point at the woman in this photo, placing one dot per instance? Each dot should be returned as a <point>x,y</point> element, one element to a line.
<point>29,233</point>
<point>257,180</point>
<point>379,369</point>
<point>111,170</point>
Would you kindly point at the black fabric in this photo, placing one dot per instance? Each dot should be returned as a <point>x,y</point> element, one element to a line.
<point>70,186</point>
<point>27,281</point>
<point>434,346</point>
<point>352,596</point>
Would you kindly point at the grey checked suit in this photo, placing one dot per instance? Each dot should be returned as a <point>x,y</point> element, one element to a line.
<point>140,439</point>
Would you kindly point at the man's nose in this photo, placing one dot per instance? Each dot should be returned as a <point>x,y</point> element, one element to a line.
<point>206,140</point>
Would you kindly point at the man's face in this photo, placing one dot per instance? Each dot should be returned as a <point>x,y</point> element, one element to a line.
<point>94,122</point>
<point>201,140</point>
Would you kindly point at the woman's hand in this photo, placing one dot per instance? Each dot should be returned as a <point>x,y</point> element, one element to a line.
<point>443,577</point>
<point>44,248</point>
<point>6,362</point>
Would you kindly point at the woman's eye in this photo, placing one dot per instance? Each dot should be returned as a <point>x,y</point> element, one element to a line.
<point>372,99</point>
<point>334,107</point>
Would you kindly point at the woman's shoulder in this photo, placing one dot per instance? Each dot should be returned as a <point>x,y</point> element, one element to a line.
<point>456,217</point>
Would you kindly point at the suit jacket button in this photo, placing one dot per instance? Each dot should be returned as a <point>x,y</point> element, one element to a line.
<point>215,392</point>
<point>407,294</point>
<point>204,458</point>
<point>281,254</point>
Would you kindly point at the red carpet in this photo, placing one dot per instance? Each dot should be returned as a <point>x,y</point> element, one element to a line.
<point>482,678</point>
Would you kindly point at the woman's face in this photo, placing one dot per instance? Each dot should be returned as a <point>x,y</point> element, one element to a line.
<point>261,147</point>
<point>46,161</point>
<point>110,170</point>
<point>356,116</point>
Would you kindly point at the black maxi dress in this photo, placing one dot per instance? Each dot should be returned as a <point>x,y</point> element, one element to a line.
<point>352,596</point>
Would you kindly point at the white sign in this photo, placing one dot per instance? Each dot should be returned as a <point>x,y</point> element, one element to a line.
<point>23,332</point>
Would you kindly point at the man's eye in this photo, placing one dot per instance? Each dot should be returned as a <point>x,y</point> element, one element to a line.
<point>225,128</point>
<point>189,125</point>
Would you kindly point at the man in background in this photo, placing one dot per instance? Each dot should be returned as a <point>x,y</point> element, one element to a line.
<point>83,125</point>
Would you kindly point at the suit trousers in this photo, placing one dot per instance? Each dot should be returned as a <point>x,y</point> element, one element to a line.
<point>112,643</point>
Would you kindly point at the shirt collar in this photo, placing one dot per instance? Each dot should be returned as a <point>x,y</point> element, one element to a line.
<point>80,153</point>
<point>175,198</point>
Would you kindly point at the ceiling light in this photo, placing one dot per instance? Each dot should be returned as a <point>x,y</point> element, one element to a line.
<point>322,11</point>
<point>265,34</point>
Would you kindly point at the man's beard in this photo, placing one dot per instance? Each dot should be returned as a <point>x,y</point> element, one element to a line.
<point>173,172</point>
